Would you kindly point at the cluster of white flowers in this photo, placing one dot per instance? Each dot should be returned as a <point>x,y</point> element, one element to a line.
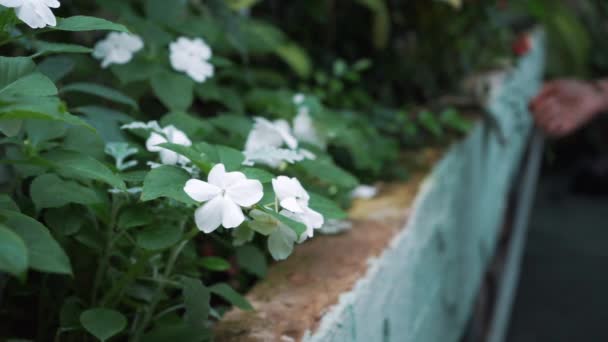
<point>34,13</point>
<point>225,193</point>
<point>294,200</point>
<point>168,134</point>
<point>117,48</point>
<point>160,135</point>
<point>191,56</point>
<point>265,143</point>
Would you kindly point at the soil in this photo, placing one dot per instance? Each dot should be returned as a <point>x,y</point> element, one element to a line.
<point>298,291</point>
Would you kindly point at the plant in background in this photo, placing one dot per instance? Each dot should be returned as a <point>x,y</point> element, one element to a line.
<point>101,214</point>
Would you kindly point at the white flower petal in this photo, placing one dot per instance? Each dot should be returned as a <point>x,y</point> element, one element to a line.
<point>52,3</point>
<point>312,218</point>
<point>154,140</point>
<point>282,127</point>
<point>27,14</point>
<point>216,175</point>
<point>262,137</point>
<point>201,191</point>
<point>246,192</point>
<point>232,215</point>
<point>285,187</point>
<point>168,157</point>
<point>11,3</point>
<point>209,216</point>
<point>176,136</point>
<point>46,14</point>
<point>364,192</point>
<point>291,204</point>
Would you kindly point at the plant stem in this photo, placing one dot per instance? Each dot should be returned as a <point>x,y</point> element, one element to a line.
<point>159,290</point>
<point>107,251</point>
<point>23,35</point>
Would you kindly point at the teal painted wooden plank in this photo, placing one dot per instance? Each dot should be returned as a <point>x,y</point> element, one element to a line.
<point>423,286</point>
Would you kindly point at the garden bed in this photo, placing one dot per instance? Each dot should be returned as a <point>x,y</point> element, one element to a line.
<point>413,261</point>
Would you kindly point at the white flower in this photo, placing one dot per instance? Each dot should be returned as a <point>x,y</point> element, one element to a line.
<point>364,192</point>
<point>117,48</point>
<point>292,197</point>
<point>267,133</point>
<point>191,56</point>
<point>35,13</point>
<point>274,157</point>
<point>298,99</point>
<point>224,192</point>
<point>172,135</point>
<point>304,128</point>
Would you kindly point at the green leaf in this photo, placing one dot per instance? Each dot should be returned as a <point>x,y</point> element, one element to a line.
<point>80,139</point>
<point>280,243</point>
<point>103,323</point>
<point>196,156</point>
<point>65,220</point>
<point>13,68</point>
<point>252,260</point>
<point>262,222</point>
<point>46,48</point>
<point>10,127</point>
<point>107,122</point>
<point>32,85</point>
<point>452,119</point>
<point>254,173</point>
<point>173,90</point>
<point>381,24</point>
<point>328,172</point>
<point>241,235</point>
<point>13,253</point>
<point>158,237</point>
<point>47,108</point>
<point>101,91</point>
<point>298,227</point>
<point>196,301</point>
<point>39,131</point>
<point>165,12</point>
<point>189,124</point>
<point>214,264</point>
<point>56,67</point>
<point>231,158</point>
<point>430,123</point>
<point>134,216</point>
<point>296,57</point>
<point>326,207</point>
<point>166,181</point>
<point>229,294</point>
<point>44,253</point>
<point>6,202</point>
<point>136,71</point>
<point>75,164</point>
<point>50,191</point>
<point>85,23</point>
